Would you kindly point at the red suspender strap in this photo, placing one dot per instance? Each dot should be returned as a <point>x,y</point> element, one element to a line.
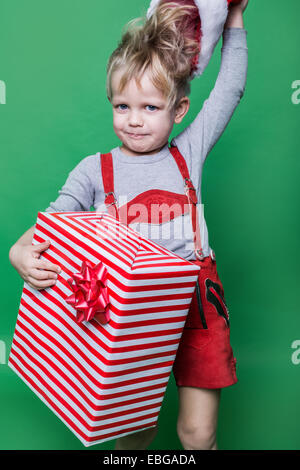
<point>192,198</point>
<point>107,170</point>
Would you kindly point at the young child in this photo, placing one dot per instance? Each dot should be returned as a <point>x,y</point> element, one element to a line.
<point>148,79</point>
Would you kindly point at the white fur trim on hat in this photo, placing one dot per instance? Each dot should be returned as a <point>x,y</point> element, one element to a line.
<point>213,14</point>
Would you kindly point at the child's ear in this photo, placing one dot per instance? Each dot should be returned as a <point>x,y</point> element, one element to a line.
<point>181,109</point>
<point>109,99</point>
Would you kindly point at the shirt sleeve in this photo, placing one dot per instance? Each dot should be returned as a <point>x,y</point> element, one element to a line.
<point>77,193</point>
<point>200,136</point>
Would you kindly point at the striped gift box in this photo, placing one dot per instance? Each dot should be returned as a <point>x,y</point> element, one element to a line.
<point>103,380</point>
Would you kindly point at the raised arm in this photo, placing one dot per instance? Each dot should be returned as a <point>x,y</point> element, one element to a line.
<point>202,134</point>
<point>229,88</point>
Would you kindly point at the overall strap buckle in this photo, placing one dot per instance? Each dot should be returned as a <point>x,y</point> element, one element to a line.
<point>199,254</point>
<point>114,202</point>
<point>188,186</point>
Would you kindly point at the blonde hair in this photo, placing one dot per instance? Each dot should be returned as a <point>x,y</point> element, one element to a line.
<point>165,44</point>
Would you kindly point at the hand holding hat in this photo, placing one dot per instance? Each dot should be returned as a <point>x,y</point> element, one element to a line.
<point>208,26</point>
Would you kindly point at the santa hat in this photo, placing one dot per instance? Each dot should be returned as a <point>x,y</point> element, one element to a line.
<point>213,15</point>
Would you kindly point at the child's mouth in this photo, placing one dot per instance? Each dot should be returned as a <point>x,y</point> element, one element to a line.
<point>136,136</point>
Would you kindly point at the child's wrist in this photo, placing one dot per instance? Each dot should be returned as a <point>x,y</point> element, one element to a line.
<point>235,18</point>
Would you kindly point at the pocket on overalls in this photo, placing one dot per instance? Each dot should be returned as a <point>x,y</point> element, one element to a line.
<point>200,306</point>
<point>217,312</point>
<point>196,316</point>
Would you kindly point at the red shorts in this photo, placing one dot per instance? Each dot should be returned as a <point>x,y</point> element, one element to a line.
<point>205,358</point>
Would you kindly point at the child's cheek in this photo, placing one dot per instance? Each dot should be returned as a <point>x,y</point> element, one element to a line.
<point>118,122</point>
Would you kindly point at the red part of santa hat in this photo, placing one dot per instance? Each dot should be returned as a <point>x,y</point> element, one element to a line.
<point>213,15</point>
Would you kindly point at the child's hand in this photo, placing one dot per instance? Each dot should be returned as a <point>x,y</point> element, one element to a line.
<point>242,5</point>
<point>38,273</point>
<point>235,15</point>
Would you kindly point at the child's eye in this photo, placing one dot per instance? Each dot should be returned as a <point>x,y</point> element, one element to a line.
<point>152,108</point>
<point>122,106</point>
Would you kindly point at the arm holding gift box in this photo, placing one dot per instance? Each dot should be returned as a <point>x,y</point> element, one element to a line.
<point>24,257</point>
<point>76,194</point>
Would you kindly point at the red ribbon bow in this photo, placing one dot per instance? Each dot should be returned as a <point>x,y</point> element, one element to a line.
<point>90,297</point>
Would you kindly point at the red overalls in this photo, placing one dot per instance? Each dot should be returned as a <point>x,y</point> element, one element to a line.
<point>204,358</point>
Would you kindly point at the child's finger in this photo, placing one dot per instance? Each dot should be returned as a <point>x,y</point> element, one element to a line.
<point>41,246</point>
<point>40,284</point>
<point>47,265</point>
<point>40,274</point>
<point>37,249</point>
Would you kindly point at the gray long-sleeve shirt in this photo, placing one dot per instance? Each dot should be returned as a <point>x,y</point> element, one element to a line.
<point>84,188</point>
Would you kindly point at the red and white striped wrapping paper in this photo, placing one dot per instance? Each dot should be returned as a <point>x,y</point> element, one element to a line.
<point>103,381</point>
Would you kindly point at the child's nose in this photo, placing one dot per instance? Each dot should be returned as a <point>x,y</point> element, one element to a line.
<point>135,118</point>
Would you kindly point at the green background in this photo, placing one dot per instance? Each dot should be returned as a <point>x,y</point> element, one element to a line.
<point>52,60</point>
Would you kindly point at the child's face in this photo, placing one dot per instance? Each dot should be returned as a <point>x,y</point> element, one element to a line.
<point>141,118</point>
